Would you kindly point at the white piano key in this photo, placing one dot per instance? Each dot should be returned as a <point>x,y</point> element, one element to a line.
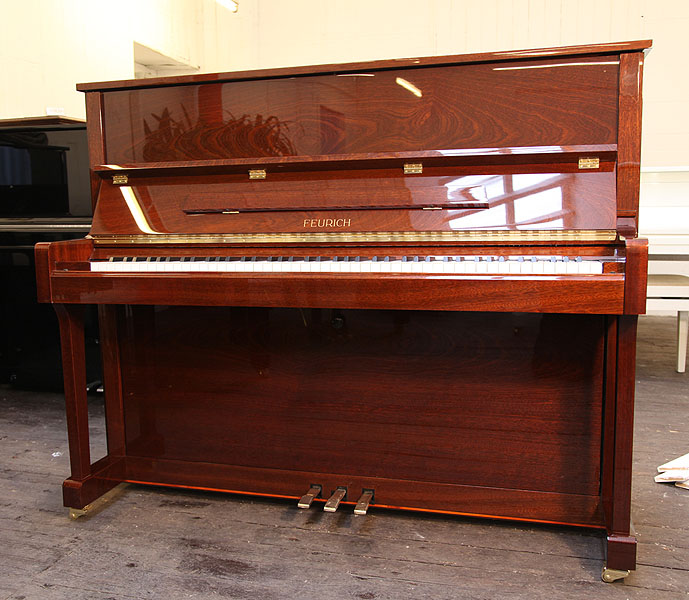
<point>492,266</point>
<point>514,266</point>
<point>591,267</point>
<point>547,265</point>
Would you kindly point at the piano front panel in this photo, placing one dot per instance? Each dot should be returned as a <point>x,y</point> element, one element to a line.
<point>396,395</point>
<point>383,200</point>
<point>565,100</point>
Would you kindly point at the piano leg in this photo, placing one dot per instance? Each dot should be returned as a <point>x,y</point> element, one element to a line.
<point>87,481</point>
<point>617,452</point>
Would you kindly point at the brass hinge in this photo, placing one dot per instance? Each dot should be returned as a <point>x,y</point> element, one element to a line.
<point>589,163</point>
<point>257,173</point>
<point>413,168</point>
<point>120,179</point>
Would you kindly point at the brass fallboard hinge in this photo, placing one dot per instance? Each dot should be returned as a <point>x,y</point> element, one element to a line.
<point>257,173</point>
<point>120,179</point>
<point>413,168</point>
<point>589,162</point>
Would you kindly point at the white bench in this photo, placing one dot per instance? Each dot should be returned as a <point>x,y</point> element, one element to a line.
<point>671,292</point>
<point>664,220</point>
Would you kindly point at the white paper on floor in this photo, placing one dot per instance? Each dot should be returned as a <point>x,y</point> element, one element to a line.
<point>676,471</point>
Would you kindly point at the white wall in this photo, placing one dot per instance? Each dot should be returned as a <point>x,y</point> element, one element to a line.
<point>270,33</point>
<point>46,46</point>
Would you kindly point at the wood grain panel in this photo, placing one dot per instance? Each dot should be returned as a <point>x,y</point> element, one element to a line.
<point>567,294</point>
<point>513,197</point>
<point>96,142</point>
<point>41,253</point>
<point>354,67</point>
<point>493,502</point>
<point>629,139</point>
<point>448,107</point>
<point>636,276</point>
<point>381,394</point>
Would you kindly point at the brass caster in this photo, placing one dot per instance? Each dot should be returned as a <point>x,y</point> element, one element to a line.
<point>75,513</point>
<point>610,575</point>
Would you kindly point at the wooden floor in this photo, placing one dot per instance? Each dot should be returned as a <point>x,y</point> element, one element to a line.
<point>169,544</point>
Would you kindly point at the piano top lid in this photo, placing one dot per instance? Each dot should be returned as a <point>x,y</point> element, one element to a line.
<point>401,63</point>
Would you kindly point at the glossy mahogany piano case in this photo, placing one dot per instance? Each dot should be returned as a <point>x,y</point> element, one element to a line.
<point>414,282</point>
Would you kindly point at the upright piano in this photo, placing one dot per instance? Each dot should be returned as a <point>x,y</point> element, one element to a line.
<point>406,284</point>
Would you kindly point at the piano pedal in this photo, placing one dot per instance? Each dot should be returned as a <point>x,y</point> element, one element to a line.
<point>362,503</point>
<point>308,497</point>
<point>334,501</point>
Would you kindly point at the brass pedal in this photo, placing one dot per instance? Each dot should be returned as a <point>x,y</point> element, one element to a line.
<point>334,501</point>
<point>364,500</point>
<point>308,497</point>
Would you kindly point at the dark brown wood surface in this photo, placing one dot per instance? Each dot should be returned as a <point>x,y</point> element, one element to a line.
<point>71,319</point>
<point>363,393</point>
<point>629,139</point>
<point>43,271</point>
<point>453,107</point>
<point>94,115</point>
<point>635,281</point>
<point>566,294</point>
<point>415,62</point>
<point>515,197</point>
<point>112,380</point>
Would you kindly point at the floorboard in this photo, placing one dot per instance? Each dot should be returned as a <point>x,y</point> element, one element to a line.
<point>174,544</point>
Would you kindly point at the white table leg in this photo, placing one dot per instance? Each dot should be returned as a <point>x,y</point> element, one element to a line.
<point>682,330</point>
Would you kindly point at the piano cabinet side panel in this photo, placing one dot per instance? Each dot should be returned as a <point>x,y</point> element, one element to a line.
<point>484,400</point>
<point>629,142</point>
<point>96,141</point>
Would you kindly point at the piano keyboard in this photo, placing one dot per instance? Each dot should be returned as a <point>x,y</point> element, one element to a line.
<point>537,265</point>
